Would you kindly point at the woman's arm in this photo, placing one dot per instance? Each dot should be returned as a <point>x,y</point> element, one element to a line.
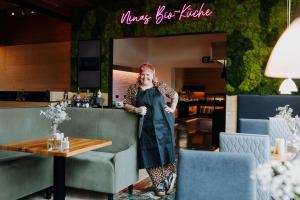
<point>172,94</point>
<point>140,110</point>
<point>129,102</point>
<point>130,108</point>
<point>174,101</point>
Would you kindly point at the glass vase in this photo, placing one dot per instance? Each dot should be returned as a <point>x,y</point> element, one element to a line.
<point>293,143</point>
<point>54,128</point>
<point>52,138</point>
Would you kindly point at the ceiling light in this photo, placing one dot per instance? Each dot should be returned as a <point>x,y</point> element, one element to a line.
<point>284,59</point>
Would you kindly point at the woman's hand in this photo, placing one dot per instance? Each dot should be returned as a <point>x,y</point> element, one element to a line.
<point>169,109</point>
<point>141,110</point>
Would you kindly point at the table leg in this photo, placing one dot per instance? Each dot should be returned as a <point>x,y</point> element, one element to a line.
<point>59,190</point>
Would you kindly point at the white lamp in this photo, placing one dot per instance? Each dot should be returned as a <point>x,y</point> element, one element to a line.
<point>287,87</point>
<point>284,61</point>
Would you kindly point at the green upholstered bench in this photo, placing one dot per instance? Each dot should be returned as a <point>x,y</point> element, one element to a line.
<point>107,170</point>
<point>22,174</point>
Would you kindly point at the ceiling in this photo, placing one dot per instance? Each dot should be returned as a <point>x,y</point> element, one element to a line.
<point>62,9</point>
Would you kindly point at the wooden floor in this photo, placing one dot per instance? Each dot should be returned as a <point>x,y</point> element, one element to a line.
<point>75,194</point>
<point>194,133</point>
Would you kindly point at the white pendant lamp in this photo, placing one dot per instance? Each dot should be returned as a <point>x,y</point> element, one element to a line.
<point>287,87</point>
<point>284,59</point>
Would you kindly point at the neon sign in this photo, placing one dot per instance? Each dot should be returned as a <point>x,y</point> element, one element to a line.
<point>186,12</point>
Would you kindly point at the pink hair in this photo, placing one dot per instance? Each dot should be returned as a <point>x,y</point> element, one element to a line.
<point>146,66</point>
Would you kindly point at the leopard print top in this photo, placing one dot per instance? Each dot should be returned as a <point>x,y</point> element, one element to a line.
<point>164,89</point>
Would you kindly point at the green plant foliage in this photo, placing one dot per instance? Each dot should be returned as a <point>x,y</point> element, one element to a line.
<point>253,27</point>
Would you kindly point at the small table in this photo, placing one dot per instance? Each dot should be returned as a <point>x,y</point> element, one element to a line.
<point>39,146</point>
<point>288,156</point>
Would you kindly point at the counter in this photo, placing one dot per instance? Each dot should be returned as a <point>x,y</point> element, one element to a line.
<point>11,104</point>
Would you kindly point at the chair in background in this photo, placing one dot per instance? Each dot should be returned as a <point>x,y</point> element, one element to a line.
<point>254,126</point>
<point>257,145</point>
<point>221,176</point>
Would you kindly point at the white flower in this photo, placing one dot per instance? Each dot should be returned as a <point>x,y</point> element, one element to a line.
<point>286,112</point>
<point>281,178</point>
<point>56,113</point>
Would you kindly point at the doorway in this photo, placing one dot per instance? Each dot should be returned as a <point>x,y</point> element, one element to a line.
<point>193,66</point>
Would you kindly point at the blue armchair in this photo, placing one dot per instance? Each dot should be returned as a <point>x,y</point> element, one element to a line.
<point>279,128</point>
<point>220,176</point>
<point>257,145</point>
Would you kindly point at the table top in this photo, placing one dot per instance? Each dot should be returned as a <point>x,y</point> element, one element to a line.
<point>288,156</point>
<point>39,146</point>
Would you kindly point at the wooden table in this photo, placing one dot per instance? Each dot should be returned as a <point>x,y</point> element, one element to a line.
<point>39,146</point>
<point>288,156</point>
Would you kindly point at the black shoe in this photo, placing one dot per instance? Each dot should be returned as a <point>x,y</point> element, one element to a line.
<point>171,182</point>
<point>160,190</point>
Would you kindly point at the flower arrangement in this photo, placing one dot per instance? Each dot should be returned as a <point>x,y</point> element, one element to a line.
<point>286,112</point>
<point>293,141</point>
<point>282,179</point>
<point>56,113</point>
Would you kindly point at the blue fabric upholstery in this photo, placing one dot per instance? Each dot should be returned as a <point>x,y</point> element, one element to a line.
<point>257,145</point>
<point>278,129</point>
<point>216,176</point>
<point>254,126</point>
<point>263,107</point>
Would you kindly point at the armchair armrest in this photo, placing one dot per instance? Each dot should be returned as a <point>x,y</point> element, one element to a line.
<point>126,167</point>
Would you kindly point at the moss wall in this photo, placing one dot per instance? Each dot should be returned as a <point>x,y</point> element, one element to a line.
<point>253,27</point>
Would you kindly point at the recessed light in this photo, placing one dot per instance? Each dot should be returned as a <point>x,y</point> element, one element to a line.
<point>12,13</point>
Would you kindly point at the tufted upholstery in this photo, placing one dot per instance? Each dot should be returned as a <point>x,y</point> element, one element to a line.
<point>219,176</point>
<point>257,145</point>
<point>254,126</point>
<point>278,129</point>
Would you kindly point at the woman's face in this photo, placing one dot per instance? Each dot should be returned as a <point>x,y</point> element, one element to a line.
<point>146,77</point>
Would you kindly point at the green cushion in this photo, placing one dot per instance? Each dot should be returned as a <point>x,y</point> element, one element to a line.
<point>90,170</point>
<point>24,174</point>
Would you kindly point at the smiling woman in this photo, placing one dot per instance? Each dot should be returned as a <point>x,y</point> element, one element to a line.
<point>156,149</point>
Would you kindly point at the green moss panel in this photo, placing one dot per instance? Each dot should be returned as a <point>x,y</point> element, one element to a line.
<point>252,28</point>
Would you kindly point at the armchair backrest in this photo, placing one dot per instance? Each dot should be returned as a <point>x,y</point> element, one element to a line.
<point>278,129</point>
<point>257,145</point>
<point>209,175</point>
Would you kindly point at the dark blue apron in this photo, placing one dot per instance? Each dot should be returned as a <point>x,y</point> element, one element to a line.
<point>156,144</point>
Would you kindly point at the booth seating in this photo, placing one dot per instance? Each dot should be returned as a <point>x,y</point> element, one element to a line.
<point>254,126</point>
<point>107,170</point>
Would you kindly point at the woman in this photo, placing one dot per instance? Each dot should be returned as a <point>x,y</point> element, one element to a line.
<point>156,144</point>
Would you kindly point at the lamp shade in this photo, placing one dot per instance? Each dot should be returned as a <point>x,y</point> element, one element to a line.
<point>284,61</point>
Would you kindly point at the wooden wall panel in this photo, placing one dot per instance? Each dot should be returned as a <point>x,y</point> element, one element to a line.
<point>34,29</point>
<point>35,67</point>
